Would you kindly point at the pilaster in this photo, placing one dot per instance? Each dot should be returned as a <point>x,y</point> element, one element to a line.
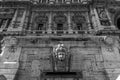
<point>50,23</point>
<point>69,23</point>
<point>23,19</point>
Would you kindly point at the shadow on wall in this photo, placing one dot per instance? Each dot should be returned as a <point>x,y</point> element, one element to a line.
<point>2,77</point>
<point>106,75</point>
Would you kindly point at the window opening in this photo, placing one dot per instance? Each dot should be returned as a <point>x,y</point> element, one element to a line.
<point>59,28</point>
<point>40,27</point>
<point>79,26</point>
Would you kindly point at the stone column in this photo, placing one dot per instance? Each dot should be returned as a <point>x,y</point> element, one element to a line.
<point>49,23</point>
<point>69,23</point>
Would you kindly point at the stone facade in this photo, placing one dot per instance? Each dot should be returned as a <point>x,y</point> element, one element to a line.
<point>30,30</point>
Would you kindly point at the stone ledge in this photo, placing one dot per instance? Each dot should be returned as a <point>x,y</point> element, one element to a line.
<point>9,66</point>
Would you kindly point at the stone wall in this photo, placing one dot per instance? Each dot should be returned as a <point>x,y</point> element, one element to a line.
<point>86,57</point>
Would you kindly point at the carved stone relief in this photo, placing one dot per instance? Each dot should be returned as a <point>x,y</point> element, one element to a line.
<point>60,19</point>
<point>78,19</point>
<point>103,16</point>
<point>41,19</point>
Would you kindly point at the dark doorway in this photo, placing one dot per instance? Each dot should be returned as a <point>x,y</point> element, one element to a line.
<point>118,23</point>
<point>59,28</point>
<point>79,26</point>
<point>40,27</point>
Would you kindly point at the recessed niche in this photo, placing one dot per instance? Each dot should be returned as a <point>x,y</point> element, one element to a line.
<point>118,23</point>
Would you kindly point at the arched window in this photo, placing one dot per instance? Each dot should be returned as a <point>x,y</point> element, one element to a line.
<point>117,20</point>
